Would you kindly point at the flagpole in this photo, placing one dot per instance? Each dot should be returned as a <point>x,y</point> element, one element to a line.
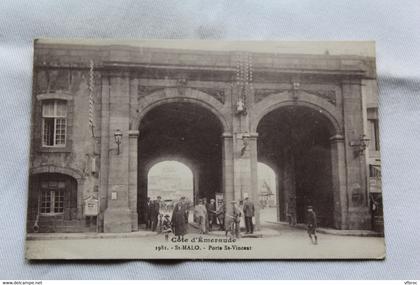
<point>91,99</point>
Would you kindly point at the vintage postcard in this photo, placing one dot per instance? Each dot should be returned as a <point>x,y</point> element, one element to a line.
<point>204,150</point>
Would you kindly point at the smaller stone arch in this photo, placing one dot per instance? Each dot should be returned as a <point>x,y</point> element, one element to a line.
<point>189,163</point>
<point>57,169</point>
<point>283,99</point>
<point>76,174</point>
<point>173,95</point>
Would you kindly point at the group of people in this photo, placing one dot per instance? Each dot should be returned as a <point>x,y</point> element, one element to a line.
<point>157,221</point>
<point>208,215</point>
<point>246,210</point>
<point>152,213</point>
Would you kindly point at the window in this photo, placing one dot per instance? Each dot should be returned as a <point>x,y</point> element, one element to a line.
<point>375,171</point>
<point>52,197</point>
<point>373,128</point>
<point>54,122</point>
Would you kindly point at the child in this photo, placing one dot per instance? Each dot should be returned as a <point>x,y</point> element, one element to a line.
<point>166,226</point>
<point>311,224</point>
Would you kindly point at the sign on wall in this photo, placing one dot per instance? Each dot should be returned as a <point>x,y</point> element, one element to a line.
<point>91,206</point>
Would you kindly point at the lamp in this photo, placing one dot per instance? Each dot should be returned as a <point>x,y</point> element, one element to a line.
<point>118,137</point>
<point>360,145</point>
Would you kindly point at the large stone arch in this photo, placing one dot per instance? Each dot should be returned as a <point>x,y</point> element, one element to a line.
<point>216,113</point>
<point>335,129</point>
<point>189,95</point>
<point>278,100</point>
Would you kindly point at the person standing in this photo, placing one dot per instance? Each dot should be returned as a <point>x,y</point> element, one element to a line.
<point>249,211</point>
<point>166,226</point>
<point>155,213</point>
<point>220,214</point>
<point>211,213</point>
<point>200,212</point>
<point>291,211</point>
<point>311,224</point>
<point>148,214</point>
<point>233,219</point>
<point>206,219</point>
<point>180,218</point>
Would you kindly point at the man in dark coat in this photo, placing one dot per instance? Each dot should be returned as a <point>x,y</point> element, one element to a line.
<point>179,219</point>
<point>154,212</point>
<point>311,224</point>
<point>211,212</point>
<point>249,211</point>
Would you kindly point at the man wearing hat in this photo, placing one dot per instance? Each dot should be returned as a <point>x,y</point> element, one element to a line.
<point>211,213</point>
<point>249,211</point>
<point>311,224</point>
<point>180,218</point>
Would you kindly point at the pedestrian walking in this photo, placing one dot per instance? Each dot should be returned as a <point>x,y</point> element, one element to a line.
<point>311,224</point>
<point>249,211</point>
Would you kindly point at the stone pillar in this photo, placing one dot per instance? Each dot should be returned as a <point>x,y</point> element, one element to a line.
<point>254,193</point>
<point>132,178</point>
<point>338,167</point>
<point>228,170</point>
<point>242,165</point>
<point>358,213</point>
<point>117,217</point>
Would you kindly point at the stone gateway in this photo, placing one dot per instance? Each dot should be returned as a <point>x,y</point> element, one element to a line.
<point>104,114</point>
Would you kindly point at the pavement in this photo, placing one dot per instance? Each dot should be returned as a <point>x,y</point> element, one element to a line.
<point>278,241</point>
<point>360,233</point>
<point>268,229</point>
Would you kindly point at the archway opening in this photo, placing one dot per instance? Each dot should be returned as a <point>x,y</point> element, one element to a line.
<point>267,192</point>
<point>296,141</point>
<point>184,132</point>
<point>170,180</point>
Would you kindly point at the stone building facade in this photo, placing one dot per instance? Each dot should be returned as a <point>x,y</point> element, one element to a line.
<point>218,112</point>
